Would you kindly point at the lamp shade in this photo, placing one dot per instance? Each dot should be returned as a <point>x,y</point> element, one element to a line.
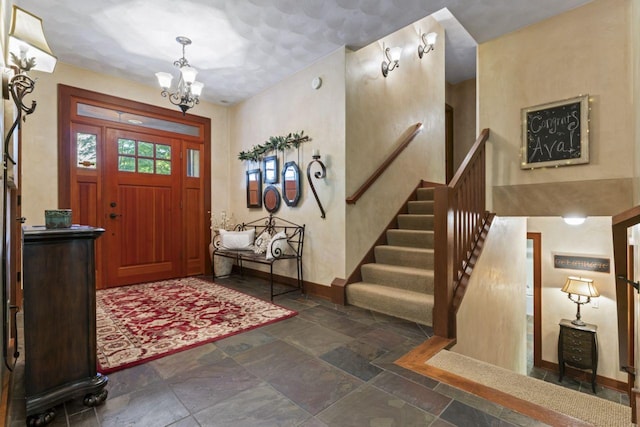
<point>188,74</point>
<point>431,38</point>
<point>580,286</point>
<point>27,41</point>
<point>164,79</point>
<point>196,89</point>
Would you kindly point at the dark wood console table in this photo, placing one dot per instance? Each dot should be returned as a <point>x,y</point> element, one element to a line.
<point>578,347</point>
<point>60,320</point>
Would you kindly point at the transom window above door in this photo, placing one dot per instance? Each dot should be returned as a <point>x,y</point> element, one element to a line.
<point>144,157</point>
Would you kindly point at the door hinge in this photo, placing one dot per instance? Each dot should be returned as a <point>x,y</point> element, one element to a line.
<point>19,200</point>
<point>18,276</point>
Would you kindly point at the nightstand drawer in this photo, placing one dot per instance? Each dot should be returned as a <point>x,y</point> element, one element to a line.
<point>577,339</point>
<point>579,357</point>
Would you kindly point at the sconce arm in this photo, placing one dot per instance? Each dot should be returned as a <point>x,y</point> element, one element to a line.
<point>19,86</point>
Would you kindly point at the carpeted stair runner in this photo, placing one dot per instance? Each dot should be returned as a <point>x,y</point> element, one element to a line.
<point>400,282</point>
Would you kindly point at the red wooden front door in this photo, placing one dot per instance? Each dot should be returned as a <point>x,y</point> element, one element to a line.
<point>142,207</point>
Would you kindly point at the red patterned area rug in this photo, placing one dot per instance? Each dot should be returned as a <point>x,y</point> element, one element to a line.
<point>139,323</point>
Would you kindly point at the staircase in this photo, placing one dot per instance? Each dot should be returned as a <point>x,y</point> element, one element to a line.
<point>400,281</point>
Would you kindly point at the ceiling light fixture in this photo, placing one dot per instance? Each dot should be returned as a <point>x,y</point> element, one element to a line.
<point>188,92</point>
<point>574,219</point>
<point>428,43</point>
<point>393,57</point>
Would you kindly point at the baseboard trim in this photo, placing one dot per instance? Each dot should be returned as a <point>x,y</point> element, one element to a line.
<point>338,291</point>
<point>585,376</point>
<point>310,288</point>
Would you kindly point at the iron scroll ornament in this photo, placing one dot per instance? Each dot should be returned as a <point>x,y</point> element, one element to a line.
<point>318,175</point>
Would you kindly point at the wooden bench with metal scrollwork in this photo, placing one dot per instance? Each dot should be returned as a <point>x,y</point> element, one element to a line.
<point>264,241</point>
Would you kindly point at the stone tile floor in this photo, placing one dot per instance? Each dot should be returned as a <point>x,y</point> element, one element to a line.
<point>328,366</point>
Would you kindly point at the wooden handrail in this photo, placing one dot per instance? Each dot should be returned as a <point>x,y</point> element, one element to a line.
<point>471,157</point>
<point>417,128</point>
<point>461,222</point>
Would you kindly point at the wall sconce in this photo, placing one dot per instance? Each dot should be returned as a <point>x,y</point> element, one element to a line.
<point>318,175</point>
<point>393,57</point>
<point>28,51</point>
<point>574,219</point>
<point>582,288</point>
<point>428,43</point>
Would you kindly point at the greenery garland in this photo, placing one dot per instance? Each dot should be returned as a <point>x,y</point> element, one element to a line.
<point>280,143</point>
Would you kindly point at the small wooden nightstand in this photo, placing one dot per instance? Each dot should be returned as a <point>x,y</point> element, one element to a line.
<point>578,347</point>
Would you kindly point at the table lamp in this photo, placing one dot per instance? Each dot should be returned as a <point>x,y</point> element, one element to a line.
<point>582,288</point>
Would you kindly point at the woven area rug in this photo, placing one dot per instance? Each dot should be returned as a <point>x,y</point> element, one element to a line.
<point>139,323</point>
<point>589,408</point>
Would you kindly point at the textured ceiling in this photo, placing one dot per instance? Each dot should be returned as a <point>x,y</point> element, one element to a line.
<point>241,47</point>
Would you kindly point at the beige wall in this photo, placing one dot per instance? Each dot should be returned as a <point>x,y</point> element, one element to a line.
<point>291,106</point>
<point>584,51</point>
<point>635,40</point>
<point>40,134</point>
<point>591,238</point>
<point>379,111</point>
<point>462,97</point>
<point>492,318</point>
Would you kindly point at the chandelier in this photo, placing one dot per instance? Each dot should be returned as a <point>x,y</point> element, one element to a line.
<point>187,94</point>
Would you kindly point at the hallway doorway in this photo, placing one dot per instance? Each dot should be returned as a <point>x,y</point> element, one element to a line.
<point>534,301</point>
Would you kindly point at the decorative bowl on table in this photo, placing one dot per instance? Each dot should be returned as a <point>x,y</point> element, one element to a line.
<point>57,218</point>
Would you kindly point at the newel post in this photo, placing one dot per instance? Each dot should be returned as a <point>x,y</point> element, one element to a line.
<point>443,315</point>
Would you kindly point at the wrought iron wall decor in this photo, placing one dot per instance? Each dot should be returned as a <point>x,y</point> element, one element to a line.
<point>318,175</point>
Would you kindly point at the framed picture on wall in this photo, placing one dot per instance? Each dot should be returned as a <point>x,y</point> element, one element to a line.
<point>254,188</point>
<point>555,134</point>
<point>270,166</point>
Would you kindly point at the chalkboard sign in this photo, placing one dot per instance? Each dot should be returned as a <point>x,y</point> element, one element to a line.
<point>556,134</point>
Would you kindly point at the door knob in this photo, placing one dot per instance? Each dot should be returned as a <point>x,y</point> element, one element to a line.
<point>114,215</point>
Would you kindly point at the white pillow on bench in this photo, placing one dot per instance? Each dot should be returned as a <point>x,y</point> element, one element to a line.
<point>237,240</point>
<point>261,243</point>
<point>278,241</point>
